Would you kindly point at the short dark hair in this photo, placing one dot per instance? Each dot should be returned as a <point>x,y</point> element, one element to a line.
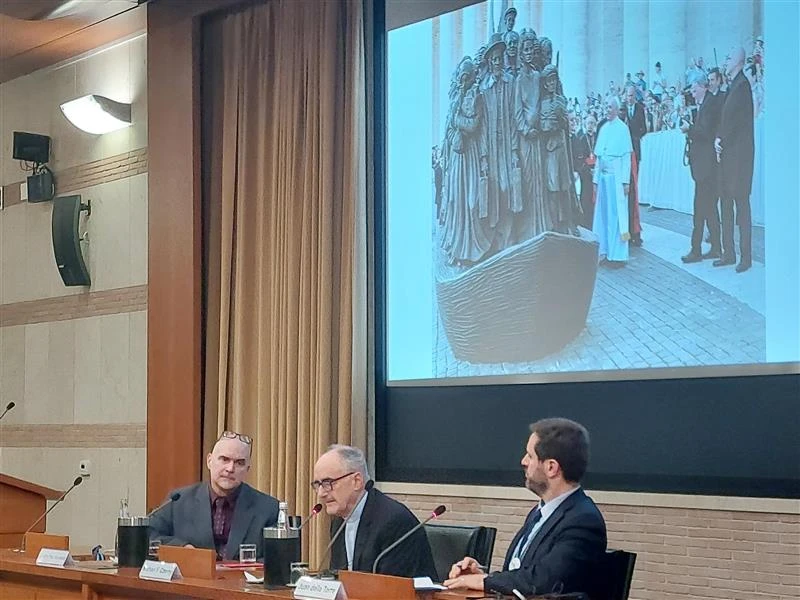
<point>564,441</point>
<point>715,71</point>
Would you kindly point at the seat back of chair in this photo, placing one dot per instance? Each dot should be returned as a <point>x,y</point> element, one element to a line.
<point>618,574</point>
<point>451,543</point>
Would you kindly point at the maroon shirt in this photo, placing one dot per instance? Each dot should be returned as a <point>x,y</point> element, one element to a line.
<point>222,508</point>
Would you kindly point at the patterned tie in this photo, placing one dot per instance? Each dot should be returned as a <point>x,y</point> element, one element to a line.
<point>219,517</point>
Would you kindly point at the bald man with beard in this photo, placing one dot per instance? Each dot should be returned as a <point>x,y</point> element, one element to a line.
<point>735,149</point>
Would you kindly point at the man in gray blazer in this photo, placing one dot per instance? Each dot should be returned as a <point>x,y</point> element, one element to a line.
<point>222,513</point>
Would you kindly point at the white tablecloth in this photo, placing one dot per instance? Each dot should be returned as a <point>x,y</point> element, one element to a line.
<point>664,181</point>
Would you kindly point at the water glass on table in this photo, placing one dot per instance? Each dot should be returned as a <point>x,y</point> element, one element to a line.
<point>247,553</point>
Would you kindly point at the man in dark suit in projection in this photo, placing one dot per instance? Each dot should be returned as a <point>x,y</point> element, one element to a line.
<point>562,544</point>
<point>701,133</point>
<point>735,147</point>
<point>374,521</point>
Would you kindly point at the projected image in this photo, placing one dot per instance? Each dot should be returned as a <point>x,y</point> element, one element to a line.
<point>573,188</point>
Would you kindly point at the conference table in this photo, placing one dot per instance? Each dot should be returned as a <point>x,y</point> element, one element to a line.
<point>22,579</point>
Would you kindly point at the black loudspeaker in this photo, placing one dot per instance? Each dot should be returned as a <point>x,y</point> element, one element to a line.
<point>41,186</point>
<point>32,147</point>
<point>66,240</point>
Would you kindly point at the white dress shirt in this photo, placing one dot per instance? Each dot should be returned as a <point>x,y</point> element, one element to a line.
<point>351,529</point>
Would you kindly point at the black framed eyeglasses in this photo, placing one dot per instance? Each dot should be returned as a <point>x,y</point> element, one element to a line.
<point>327,483</point>
<point>232,435</point>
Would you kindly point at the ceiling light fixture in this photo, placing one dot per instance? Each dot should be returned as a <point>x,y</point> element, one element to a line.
<point>97,114</point>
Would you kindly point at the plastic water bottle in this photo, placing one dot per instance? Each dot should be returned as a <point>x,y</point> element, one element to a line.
<point>283,519</point>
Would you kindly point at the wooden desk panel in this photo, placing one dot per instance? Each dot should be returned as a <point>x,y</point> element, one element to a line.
<point>21,579</point>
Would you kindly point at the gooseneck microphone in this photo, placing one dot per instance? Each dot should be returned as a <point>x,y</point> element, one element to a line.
<point>314,512</point>
<point>75,484</point>
<point>367,488</point>
<point>9,406</point>
<point>436,513</point>
<point>166,502</point>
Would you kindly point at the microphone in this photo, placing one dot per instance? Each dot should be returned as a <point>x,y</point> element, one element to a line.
<point>436,513</point>
<point>9,406</point>
<point>367,488</point>
<point>75,484</point>
<point>314,512</point>
<point>169,500</point>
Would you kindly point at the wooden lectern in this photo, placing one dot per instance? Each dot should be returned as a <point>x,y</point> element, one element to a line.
<point>21,503</point>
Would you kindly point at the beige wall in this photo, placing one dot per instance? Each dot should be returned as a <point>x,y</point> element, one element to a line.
<point>688,548</point>
<point>74,359</point>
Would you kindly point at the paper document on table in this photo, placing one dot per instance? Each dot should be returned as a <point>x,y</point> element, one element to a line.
<point>252,578</point>
<point>426,583</point>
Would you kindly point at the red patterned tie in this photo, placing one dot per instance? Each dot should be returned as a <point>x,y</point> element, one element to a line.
<point>219,517</point>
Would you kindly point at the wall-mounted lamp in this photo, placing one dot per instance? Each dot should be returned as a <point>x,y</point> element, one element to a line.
<point>97,114</point>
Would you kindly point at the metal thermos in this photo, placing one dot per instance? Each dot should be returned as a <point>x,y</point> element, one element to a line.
<point>281,549</point>
<point>133,540</point>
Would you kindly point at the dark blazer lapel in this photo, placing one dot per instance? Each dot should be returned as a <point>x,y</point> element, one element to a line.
<point>552,521</point>
<point>363,533</point>
<point>201,511</point>
<point>338,552</point>
<point>242,517</point>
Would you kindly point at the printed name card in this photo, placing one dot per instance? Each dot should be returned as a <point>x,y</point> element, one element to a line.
<point>54,558</point>
<point>309,588</point>
<point>159,571</point>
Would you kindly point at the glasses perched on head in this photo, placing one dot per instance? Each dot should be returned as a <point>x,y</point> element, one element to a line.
<point>327,483</point>
<point>232,435</point>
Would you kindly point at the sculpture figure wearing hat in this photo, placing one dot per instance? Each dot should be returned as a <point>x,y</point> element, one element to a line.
<point>502,149</point>
<point>509,19</point>
<point>534,217</point>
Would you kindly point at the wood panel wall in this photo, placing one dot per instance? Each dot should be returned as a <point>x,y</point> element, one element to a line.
<point>174,319</point>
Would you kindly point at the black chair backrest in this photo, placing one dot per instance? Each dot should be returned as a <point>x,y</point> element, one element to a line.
<point>451,543</point>
<point>618,573</point>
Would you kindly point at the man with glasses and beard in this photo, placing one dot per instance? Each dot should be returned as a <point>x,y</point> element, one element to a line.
<point>220,514</point>
<point>562,545</point>
<point>374,521</point>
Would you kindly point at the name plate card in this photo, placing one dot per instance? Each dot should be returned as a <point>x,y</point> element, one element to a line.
<point>159,571</point>
<point>54,558</point>
<point>309,588</point>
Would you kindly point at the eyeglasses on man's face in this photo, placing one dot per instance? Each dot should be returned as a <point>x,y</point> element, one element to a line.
<point>327,483</point>
<point>232,435</point>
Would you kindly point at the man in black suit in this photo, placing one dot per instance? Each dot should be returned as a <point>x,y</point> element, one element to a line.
<point>563,542</point>
<point>703,163</point>
<point>735,149</point>
<point>583,160</point>
<point>633,115</point>
<point>220,514</point>
<point>375,520</point>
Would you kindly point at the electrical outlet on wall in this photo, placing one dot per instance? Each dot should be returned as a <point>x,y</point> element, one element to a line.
<point>85,468</point>
<point>23,191</point>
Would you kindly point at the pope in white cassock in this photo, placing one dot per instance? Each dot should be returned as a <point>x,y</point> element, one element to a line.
<point>611,178</point>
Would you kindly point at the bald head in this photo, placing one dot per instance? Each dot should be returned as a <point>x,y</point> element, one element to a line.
<point>735,61</point>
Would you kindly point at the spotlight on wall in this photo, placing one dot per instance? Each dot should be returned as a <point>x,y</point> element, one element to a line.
<point>97,114</point>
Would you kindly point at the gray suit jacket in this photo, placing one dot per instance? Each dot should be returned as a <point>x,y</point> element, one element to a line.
<point>187,520</point>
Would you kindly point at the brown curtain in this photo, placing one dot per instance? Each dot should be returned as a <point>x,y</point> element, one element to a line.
<point>284,177</point>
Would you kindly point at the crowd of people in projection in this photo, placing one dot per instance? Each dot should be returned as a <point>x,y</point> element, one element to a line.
<point>514,147</point>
